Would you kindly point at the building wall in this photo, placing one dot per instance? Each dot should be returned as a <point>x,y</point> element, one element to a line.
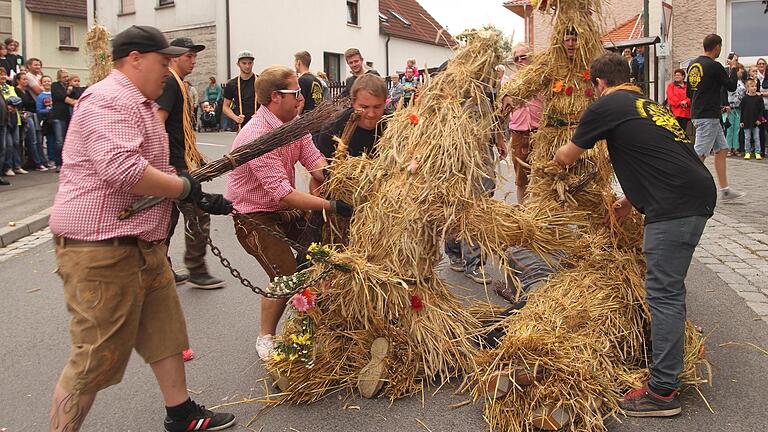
<point>400,50</point>
<point>191,18</point>
<point>689,29</point>
<point>6,28</point>
<point>42,41</point>
<point>316,27</point>
<point>613,14</point>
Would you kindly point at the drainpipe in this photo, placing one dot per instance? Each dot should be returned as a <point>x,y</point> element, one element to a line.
<point>229,54</point>
<point>386,54</point>
<point>23,18</point>
<point>646,18</point>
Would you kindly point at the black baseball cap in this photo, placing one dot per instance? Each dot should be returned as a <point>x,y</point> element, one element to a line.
<point>143,39</point>
<point>185,42</point>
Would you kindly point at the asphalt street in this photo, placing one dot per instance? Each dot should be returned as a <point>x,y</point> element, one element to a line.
<point>222,327</point>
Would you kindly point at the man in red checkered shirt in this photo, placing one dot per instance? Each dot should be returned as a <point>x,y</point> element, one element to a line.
<point>264,190</point>
<point>118,286</point>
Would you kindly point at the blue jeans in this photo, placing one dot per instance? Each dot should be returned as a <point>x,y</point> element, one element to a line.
<point>2,149</point>
<point>12,148</point>
<point>668,247</point>
<point>60,132</point>
<point>33,147</point>
<point>749,134</point>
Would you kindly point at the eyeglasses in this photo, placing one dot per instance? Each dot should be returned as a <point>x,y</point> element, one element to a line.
<point>295,93</point>
<point>518,59</point>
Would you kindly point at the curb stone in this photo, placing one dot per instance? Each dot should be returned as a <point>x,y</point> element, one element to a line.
<point>24,227</point>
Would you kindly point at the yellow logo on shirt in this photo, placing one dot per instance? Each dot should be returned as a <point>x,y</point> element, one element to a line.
<point>662,117</point>
<point>695,72</point>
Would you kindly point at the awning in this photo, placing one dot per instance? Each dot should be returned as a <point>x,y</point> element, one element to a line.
<point>618,46</point>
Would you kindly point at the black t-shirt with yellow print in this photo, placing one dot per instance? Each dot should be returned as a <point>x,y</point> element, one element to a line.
<point>312,91</point>
<point>652,156</point>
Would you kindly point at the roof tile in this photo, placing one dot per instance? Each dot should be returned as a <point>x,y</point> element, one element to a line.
<point>423,27</point>
<point>68,8</point>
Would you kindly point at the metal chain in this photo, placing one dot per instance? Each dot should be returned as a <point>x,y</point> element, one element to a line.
<point>243,280</point>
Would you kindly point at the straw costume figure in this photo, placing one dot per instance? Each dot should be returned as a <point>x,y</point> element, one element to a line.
<point>580,339</point>
<point>389,325</point>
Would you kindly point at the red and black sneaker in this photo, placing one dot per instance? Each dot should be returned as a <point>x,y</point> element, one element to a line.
<point>644,402</point>
<point>200,419</point>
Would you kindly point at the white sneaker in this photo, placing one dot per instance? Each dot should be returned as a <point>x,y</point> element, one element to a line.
<point>730,195</point>
<point>10,173</point>
<point>264,346</point>
<point>20,170</point>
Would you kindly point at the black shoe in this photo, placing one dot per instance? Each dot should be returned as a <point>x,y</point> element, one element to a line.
<point>200,420</point>
<point>205,281</point>
<point>643,402</point>
<point>180,278</point>
<point>4,182</point>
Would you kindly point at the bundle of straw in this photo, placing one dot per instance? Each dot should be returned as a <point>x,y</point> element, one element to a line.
<point>97,46</point>
<point>424,184</point>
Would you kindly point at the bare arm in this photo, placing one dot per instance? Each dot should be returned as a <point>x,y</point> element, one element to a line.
<point>227,110</point>
<point>304,201</point>
<point>157,183</point>
<point>568,154</point>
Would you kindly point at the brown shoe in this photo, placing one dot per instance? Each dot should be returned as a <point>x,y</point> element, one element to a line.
<point>507,292</point>
<point>550,418</point>
<point>500,383</point>
<point>371,378</point>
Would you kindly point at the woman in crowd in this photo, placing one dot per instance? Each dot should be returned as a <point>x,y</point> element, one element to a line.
<point>679,103</point>
<point>733,113</point>
<point>30,125</point>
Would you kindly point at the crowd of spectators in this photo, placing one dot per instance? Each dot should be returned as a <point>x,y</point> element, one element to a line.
<point>34,113</point>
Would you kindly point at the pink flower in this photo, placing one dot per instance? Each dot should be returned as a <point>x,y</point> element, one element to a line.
<point>413,166</point>
<point>588,92</point>
<point>300,303</point>
<point>310,297</point>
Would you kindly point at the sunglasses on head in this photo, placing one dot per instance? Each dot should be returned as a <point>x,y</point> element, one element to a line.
<point>520,58</point>
<point>295,93</point>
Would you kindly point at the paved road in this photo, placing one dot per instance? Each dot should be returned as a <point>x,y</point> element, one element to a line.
<point>27,195</point>
<point>222,326</point>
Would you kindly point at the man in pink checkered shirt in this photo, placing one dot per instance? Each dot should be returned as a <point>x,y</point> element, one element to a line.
<point>118,286</point>
<point>264,190</point>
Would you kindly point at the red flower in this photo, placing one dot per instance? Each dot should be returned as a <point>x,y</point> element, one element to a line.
<point>588,92</point>
<point>414,119</point>
<point>416,303</point>
<point>586,75</point>
<point>569,90</point>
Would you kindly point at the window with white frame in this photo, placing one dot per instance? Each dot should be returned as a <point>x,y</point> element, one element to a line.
<point>352,12</point>
<point>66,35</point>
<point>332,63</point>
<point>748,20</point>
<point>161,3</point>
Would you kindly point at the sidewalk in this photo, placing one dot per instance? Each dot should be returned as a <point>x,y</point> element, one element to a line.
<point>24,204</point>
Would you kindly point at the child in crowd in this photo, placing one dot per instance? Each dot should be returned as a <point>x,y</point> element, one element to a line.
<point>44,104</point>
<point>6,63</point>
<point>409,83</point>
<point>74,90</point>
<point>411,64</point>
<point>751,119</point>
<point>733,115</point>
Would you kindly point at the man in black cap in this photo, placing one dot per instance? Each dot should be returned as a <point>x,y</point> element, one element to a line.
<point>240,92</point>
<point>176,111</point>
<point>118,287</point>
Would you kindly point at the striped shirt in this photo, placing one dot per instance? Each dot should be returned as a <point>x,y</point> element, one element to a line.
<point>114,134</point>
<point>260,184</point>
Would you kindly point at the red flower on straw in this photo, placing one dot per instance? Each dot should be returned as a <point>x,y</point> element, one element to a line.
<point>586,75</point>
<point>414,119</point>
<point>588,92</point>
<point>569,90</point>
<point>416,303</point>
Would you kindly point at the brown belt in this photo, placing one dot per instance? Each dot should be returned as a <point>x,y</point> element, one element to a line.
<point>116,241</point>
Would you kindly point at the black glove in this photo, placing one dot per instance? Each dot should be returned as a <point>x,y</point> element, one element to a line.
<point>192,194</point>
<point>214,204</point>
<point>341,208</point>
